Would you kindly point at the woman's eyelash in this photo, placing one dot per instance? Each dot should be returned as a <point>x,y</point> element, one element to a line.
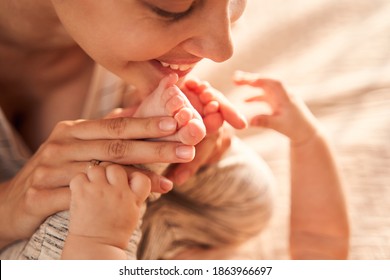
<point>171,15</point>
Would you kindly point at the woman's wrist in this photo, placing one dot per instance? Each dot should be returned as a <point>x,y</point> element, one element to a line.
<point>7,235</point>
<point>5,242</point>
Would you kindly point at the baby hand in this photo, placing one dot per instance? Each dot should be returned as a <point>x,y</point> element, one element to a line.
<point>213,106</point>
<point>105,204</point>
<point>289,114</point>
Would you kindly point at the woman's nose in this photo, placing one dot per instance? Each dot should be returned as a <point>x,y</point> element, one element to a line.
<point>211,39</point>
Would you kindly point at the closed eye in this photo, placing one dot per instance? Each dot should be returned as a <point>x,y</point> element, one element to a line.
<point>172,15</point>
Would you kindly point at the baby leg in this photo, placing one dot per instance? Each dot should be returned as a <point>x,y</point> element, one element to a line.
<point>168,100</point>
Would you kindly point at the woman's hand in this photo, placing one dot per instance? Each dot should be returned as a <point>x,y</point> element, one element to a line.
<point>41,187</point>
<point>289,115</point>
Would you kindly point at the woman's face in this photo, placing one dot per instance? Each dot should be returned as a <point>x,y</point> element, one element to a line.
<point>143,40</point>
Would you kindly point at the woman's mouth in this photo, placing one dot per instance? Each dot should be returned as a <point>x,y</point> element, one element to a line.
<point>181,69</point>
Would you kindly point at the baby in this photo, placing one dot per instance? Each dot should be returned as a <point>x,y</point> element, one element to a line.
<point>106,203</point>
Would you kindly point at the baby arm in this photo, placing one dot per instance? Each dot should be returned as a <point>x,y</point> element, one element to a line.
<point>319,226</point>
<point>104,211</point>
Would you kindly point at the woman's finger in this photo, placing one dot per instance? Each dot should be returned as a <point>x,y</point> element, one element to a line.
<point>116,128</point>
<point>51,200</point>
<point>126,151</point>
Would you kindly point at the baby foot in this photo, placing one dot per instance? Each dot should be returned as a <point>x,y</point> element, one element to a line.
<point>168,100</point>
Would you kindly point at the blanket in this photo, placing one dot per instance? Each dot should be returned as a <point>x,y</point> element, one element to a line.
<point>336,55</point>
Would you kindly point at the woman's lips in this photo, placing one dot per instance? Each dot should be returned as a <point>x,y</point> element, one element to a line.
<point>168,68</point>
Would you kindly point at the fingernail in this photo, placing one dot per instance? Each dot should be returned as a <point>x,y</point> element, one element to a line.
<point>185,152</point>
<point>166,184</point>
<point>168,124</point>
